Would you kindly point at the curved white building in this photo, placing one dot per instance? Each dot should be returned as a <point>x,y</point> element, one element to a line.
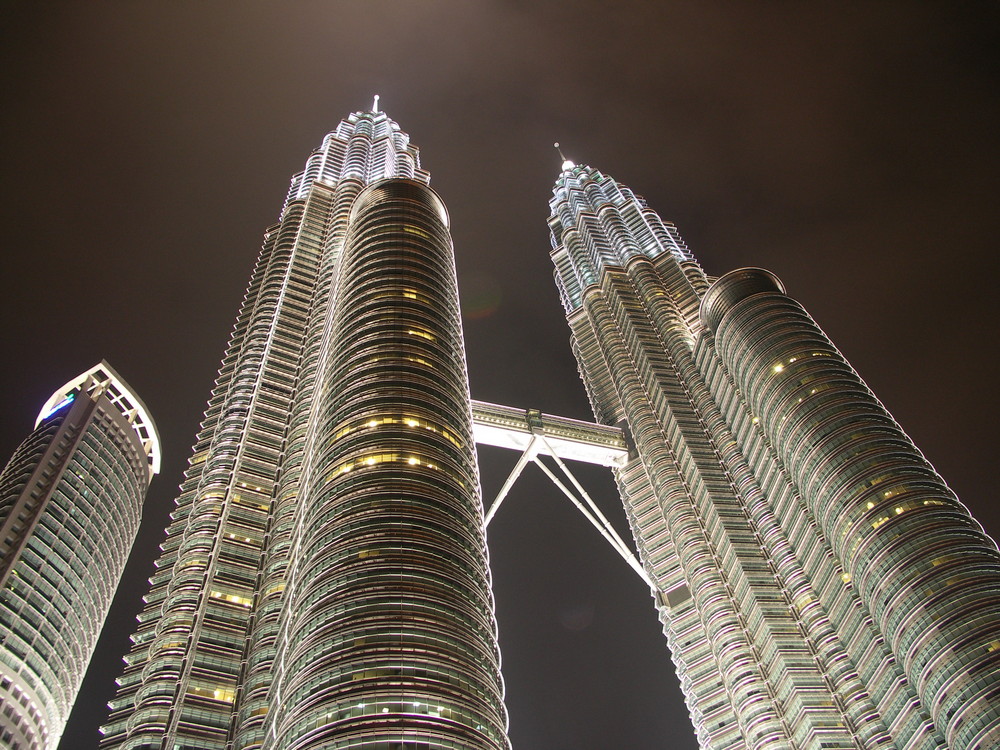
<point>70,504</point>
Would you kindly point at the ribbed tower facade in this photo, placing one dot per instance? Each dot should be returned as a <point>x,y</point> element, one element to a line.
<point>324,581</point>
<point>70,505</point>
<point>818,583</point>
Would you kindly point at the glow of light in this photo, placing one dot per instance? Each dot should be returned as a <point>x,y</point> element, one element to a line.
<point>567,165</point>
<point>421,334</point>
<point>65,402</point>
<point>779,368</point>
<point>373,423</point>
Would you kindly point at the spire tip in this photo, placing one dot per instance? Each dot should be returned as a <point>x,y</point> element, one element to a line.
<point>375,104</point>
<point>567,164</point>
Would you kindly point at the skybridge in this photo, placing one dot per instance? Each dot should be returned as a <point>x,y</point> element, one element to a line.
<point>535,435</point>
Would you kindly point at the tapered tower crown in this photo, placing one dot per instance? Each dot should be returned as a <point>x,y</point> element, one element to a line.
<point>366,147</point>
<point>597,222</point>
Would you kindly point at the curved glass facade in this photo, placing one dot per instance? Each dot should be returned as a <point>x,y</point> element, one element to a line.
<point>70,504</point>
<point>390,639</point>
<point>819,585</point>
<point>924,568</point>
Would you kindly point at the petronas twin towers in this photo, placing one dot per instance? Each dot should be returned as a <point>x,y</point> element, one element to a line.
<point>324,582</point>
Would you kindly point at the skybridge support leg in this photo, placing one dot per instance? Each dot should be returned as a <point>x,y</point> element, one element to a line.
<point>529,454</point>
<point>604,529</point>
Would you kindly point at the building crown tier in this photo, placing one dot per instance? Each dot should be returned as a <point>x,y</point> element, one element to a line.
<point>597,222</point>
<point>367,147</point>
<point>102,378</point>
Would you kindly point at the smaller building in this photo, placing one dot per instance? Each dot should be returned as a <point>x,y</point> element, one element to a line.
<point>70,504</point>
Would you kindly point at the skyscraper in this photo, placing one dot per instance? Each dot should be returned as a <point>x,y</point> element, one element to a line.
<point>818,583</point>
<point>70,504</point>
<point>324,580</point>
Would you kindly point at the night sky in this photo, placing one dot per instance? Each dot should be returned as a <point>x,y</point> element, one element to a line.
<point>849,148</point>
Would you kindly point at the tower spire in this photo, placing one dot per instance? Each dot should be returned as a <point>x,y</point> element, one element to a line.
<point>375,104</point>
<point>566,163</point>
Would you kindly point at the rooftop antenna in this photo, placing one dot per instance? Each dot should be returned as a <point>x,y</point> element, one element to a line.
<point>375,104</point>
<point>567,164</point>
